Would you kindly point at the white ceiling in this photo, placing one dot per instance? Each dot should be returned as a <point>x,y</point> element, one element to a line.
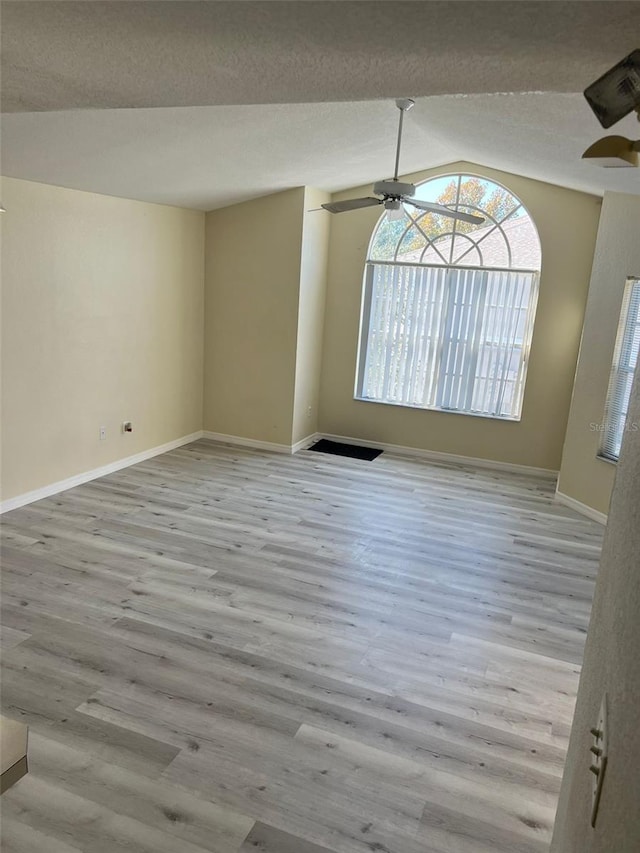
<point>202,104</point>
<point>75,55</point>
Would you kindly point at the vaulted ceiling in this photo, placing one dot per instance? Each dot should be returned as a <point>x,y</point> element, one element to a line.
<point>205,103</point>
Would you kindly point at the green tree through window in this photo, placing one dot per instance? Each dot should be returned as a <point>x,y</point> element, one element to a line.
<point>461,192</point>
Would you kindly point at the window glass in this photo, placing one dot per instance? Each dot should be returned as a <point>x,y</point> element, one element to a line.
<point>448,306</point>
<point>625,360</point>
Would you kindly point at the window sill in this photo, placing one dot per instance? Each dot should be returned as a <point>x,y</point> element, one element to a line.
<point>501,418</point>
<point>606,459</point>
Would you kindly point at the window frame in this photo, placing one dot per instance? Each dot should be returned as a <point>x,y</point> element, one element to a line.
<point>367,296</point>
<point>365,327</point>
<point>618,375</point>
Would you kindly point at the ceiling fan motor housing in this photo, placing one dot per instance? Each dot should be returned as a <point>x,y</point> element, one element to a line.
<point>394,189</point>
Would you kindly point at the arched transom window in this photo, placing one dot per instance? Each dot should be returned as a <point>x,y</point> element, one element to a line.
<point>448,307</point>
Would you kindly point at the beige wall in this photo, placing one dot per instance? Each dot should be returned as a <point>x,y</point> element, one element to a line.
<point>313,281</point>
<point>583,476</point>
<point>567,223</point>
<point>611,665</point>
<point>102,302</point>
<point>252,274</point>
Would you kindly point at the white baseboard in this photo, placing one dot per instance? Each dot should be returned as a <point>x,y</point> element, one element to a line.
<point>450,458</point>
<point>304,443</point>
<point>239,441</point>
<point>583,509</point>
<point>433,455</point>
<point>86,476</point>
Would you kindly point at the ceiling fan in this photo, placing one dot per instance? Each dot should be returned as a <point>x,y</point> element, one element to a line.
<point>395,194</point>
<point>612,97</point>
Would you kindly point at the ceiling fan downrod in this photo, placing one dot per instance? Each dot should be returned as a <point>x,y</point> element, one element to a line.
<point>403,104</point>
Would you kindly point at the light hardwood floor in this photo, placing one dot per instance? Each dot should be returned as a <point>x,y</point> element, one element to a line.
<point>229,650</point>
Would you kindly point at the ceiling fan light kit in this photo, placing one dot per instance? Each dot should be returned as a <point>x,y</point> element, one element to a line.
<point>395,194</point>
<point>394,208</point>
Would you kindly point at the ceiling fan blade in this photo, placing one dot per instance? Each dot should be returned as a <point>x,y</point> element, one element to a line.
<point>351,204</point>
<point>444,211</point>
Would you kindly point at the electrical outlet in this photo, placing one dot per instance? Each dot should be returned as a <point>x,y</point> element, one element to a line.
<point>103,433</point>
<point>127,426</point>
<point>598,752</point>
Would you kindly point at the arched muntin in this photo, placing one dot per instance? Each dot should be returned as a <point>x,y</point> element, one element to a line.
<point>509,234</point>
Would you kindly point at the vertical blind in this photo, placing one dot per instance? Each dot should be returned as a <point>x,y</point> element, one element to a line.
<point>624,364</point>
<point>453,339</point>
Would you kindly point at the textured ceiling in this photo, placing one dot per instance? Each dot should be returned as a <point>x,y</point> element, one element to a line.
<point>74,55</point>
<point>205,104</point>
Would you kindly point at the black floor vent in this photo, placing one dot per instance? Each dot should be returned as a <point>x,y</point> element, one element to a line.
<point>350,450</point>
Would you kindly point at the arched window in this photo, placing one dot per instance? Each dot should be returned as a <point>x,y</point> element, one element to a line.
<point>448,307</point>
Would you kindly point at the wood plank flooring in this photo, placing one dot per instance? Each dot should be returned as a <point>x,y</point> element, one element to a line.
<point>228,650</point>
